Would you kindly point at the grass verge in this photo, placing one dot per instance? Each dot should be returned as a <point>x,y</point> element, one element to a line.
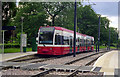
<point>14,50</point>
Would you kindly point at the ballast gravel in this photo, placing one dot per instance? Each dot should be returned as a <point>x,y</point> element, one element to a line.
<point>20,72</point>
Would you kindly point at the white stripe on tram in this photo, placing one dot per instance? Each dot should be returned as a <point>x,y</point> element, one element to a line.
<point>55,45</point>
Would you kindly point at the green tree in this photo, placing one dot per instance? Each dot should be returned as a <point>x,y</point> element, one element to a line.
<point>8,12</point>
<point>34,17</point>
<point>87,22</point>
<point>113,35</point>
<point>61,14</point>
<point>66,18</point>
<point>54,9</point>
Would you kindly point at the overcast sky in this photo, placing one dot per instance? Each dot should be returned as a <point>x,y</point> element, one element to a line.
<point>107,9</point>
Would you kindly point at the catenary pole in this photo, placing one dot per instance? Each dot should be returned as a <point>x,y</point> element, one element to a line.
<point>109,38</point>
<point>99,34</point>
<point>74,54</point>
<point>3,40</point>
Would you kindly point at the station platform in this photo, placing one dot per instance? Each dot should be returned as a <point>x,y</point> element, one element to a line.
<point>109,62</point>
<point>8,56</point>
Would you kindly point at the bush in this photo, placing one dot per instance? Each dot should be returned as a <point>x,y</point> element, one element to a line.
<point>12,46</point>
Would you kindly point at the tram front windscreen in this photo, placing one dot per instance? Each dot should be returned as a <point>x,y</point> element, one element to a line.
<point>46,35</point>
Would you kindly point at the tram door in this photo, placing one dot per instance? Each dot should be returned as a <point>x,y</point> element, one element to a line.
<point>86,43</point>
<point>58,41</point>
<point>71,44</point>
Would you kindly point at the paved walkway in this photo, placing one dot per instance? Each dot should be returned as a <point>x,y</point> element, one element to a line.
<point>9,56</point>
<point>109,62</point>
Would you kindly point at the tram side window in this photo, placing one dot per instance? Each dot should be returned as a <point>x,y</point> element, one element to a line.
<point>78,42</point>
<point>65,40</point>
<point>70,41</point>
<point>92,42</point>
<point>82,42</point>
<point>87,42</point>
<point>57,40</point>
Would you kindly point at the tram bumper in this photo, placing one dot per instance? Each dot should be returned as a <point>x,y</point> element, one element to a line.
<point>45,50</point>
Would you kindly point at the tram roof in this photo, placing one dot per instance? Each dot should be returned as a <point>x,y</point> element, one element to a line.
<point>64,29</point>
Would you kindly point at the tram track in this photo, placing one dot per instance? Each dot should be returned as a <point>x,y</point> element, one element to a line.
<point>86,57</point>
<point>76,72</point>
<point>85,74</point>
<point>33,58</point>
<point>42,58</point>
<point>38,58</point>
<point>49,72</point>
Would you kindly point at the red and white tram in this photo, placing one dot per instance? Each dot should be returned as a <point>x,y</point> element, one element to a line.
<point>59,41</point>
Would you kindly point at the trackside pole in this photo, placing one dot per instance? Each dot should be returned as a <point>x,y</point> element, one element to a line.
<point>117,40</point>
<point>109,38</point>
<point>3,40</point>
<point>74,54</point>
<point>21,47</point>
<point>98,33</point>
<point>96,47</point>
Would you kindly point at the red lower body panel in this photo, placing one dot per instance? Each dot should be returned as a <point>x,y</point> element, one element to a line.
<point>59,50</point>
<point>53,50</point>
<point>92,48</point>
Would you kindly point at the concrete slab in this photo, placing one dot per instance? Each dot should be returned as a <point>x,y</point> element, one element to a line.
<point>32,66</point>
<point>8,64</point>
<point>68,67</point>
<point>14,64</point>
<point>85,68</point>
<point>9,56</point>
<point>108,62</point>
<point>52,66</point>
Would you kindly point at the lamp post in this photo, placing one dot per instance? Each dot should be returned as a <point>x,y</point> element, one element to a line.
<point>21,48</point>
